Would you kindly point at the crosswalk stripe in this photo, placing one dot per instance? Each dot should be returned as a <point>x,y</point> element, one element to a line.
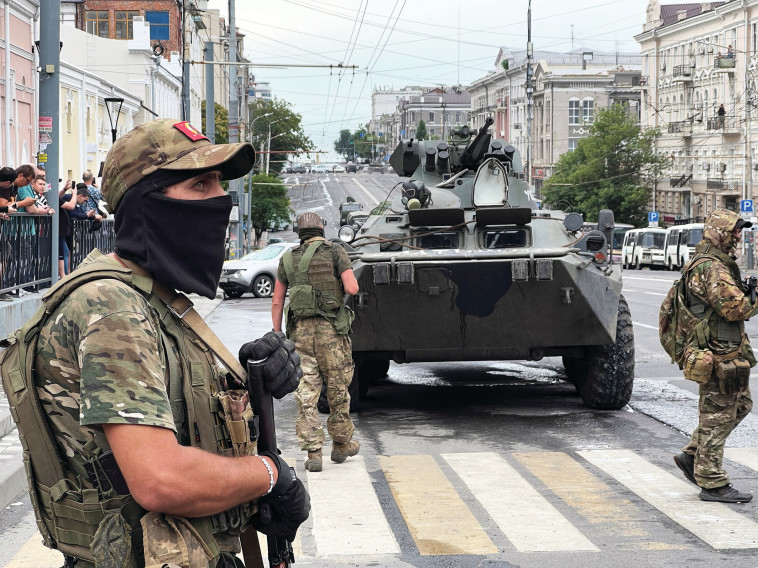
<point>347,517</point>
<point>595,500</point>
<point>529,521</point>
<point>714,523</point>
<point>744,456</point>
<point>437,518</point>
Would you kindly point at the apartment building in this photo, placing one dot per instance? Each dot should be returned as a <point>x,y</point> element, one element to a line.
<point>698,84</point>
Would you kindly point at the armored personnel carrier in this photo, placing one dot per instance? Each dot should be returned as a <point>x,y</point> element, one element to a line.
<point>463,265</point>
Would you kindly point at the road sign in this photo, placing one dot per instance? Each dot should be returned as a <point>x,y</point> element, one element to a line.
<point>402,133</point>
<point>652,218</point>
<point>363,134</point>
<point>746,206</point>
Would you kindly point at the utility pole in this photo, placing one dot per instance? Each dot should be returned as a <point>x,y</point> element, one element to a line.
<point>210,95</point>
<point>49,111</point>
<point>235,186</point>
<point>529,100</point>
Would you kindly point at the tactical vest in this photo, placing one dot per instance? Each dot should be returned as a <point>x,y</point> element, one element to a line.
<point>718,328</point>
<point>315,290</point>
<point>72,496</point>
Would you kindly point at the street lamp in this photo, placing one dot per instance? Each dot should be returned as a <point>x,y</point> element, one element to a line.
<point>268,155</point>
<point>115,103</point>
<point>258,118</point>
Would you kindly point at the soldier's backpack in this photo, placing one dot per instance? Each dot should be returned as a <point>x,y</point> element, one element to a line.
<point>677,325</point>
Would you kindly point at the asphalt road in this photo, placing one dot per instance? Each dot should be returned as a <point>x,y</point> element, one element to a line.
<point>498,464</point>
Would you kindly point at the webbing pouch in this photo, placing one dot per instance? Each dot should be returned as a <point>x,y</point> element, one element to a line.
<point>698,364</point>
<point>733,374</point>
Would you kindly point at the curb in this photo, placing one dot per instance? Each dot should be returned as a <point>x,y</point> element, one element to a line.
<point>12,474</point>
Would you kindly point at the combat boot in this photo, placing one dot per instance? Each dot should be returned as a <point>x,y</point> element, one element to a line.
<point>314,461</point>
<point>686,463</point>
<point>340,452</point>
<point>725,494</point>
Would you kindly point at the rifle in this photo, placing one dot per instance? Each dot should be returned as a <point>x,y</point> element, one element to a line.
<point>751,283</point>
<point>280,554</point>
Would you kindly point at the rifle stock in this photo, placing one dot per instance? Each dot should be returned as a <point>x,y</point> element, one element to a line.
<point>280,554</point>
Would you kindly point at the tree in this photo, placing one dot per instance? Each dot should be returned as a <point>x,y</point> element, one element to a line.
<point>287,134</point>
<point>615,167</point>
<point>421,130</point>
<point>221,122</point>
<point>344,144</point>
<point>269,204</point>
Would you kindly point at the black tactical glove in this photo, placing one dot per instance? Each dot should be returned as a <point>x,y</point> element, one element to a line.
<point>282,511</point>
<point>281,371</point>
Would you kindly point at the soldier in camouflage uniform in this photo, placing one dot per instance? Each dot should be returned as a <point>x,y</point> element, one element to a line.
<point>715,291</point>
<point>321,338</point>
<point>105,361</point>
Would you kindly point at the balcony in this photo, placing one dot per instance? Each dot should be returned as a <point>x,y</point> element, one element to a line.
<point>680,181</point>
<point>726,124</point>
<point>682,74</point>
<point>723,185</point>
<point>683,127</point>
<point>724,64</point>
<point>639,83</point>
<point>516,126</point>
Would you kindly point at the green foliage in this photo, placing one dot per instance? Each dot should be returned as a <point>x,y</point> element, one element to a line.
<point>287,134</point>
<point>269,204</point>
<point>221,122</point>
<point>421,130</point>
<point>352,145</point>
<point>615,167</point>
<point>505,64</point>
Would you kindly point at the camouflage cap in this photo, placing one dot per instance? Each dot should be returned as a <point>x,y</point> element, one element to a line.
<point>168,144</point>
<point>309,220</point>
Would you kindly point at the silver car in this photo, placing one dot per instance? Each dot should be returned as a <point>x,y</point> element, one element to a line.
<point>255,272</point>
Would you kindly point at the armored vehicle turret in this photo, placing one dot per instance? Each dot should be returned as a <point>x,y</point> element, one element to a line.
<point>461,264</point>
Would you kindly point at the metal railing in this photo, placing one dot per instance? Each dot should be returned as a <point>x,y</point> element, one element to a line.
<point>26,249</point>
<point>724,63</point>
<point>727,124</point>
<point>682,72</point>
<point>724,185</point>
<point>683,127</point>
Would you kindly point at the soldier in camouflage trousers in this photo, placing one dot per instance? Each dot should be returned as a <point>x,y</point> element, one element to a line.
<point>319,322</point>
<point>715,292</point>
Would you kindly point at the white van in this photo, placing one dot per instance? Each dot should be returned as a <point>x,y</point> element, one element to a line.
<point>680,244</point>
<point>643,247</point>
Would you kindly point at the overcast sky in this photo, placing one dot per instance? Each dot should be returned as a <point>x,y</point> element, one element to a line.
<point>408,42</point>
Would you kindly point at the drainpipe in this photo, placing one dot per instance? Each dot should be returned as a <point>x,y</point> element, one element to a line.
<point>8,94</point>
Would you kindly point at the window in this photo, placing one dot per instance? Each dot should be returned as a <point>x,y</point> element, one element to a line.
<point>431,117</point>
<point>504,238</point>
<point>431,132</point>
<point>457,118</point>
<point>413,117</point>
<point>573,111</point>
<point>588,106</point>
<point>97,22</point>
<point>572,144</point>
<point>440,240</point>
<point>124,26</point>
<point>159,28</point>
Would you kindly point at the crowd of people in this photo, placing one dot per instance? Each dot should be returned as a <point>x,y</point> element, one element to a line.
<point>25,189</point>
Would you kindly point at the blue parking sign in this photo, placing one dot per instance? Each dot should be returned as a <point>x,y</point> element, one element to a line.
<point>652,217</point>
<point>402,133</point>
<point>746,206</point>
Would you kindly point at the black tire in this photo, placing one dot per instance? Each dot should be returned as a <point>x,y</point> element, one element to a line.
<point>263,286</point>
<point>576,370</point>
<point>671,266</point>
<point>624,264</point>
<point>353,389</point>
<point>609,378</point>
<point>371,371</point>
<point>233,293</point>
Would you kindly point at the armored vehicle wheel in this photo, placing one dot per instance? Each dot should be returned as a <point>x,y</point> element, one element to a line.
<point>353,389</point>
<point>576,370</point>
<point>605,377</point>
<point>370,372</point>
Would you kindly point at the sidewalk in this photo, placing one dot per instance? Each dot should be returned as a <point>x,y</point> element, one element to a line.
<point>12,476</point>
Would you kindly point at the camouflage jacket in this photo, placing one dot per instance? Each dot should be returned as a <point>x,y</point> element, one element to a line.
<point>717,283</point>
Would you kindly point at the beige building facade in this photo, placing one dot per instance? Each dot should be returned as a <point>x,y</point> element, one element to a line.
<point>699,88</point>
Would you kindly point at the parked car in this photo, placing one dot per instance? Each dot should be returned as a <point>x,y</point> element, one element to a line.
<point>319,169</point>
<point>255,272</point>
<point>351,168</point>
<point>338,169</point>
<point>299,170</point>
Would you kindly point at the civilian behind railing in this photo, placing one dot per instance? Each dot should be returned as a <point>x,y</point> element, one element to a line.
<point>25,247</point>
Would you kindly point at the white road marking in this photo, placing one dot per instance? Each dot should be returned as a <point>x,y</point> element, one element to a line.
<point>371,199</point>
<point>655,293</point>
<point>347,517</point>
<point>645,325</point>
<point>529,521</point>
<point>744,456</point>
<point>714,523</point>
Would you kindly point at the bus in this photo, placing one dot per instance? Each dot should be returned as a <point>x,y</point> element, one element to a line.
<point>680,244</point>
<point>618,237</point>
<point>643,247</point>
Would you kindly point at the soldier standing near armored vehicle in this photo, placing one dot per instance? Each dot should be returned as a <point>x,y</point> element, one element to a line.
<point>318,274</point>
<point>715,293</point>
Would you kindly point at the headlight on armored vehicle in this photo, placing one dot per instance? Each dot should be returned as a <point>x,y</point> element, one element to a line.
<point>346,233</point>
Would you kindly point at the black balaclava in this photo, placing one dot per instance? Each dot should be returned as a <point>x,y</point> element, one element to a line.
<point>309,233</point>
<point>179,242</point>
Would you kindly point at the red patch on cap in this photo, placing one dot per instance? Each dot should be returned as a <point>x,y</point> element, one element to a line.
<point>190,131</point>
